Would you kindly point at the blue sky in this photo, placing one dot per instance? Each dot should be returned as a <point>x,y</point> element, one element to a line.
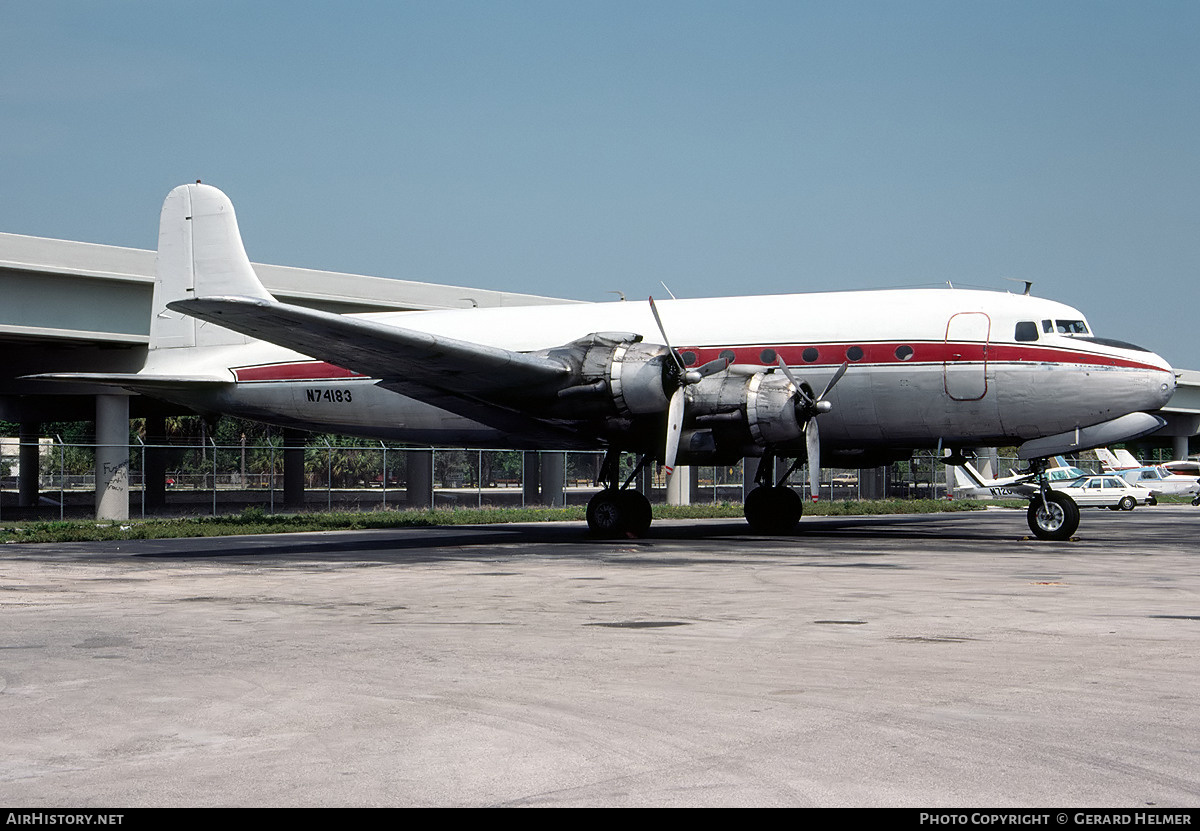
<point>578,148</point>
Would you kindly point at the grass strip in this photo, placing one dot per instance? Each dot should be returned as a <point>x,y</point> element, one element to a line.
<point>257,521</point>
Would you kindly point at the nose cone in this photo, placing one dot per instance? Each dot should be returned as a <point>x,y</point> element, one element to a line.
<point>1165,385</point>
<point>1159,380</point>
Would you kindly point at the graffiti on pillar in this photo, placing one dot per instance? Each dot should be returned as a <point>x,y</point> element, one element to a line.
<point>115,474</point>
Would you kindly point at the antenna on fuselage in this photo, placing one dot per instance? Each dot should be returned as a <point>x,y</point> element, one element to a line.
<point>1028,284</point>
<point>664,285</point>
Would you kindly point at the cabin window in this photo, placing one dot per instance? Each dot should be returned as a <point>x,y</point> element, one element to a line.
<point>767,356</point>
<point>689,358</point>
<point>904,353</point>
<point>728,355</point>
<point>854,353</point>
<point>1026,331</point>
<point>810,354</point>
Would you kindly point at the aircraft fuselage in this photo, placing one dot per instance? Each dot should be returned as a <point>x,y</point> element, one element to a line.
<point>926,367</point>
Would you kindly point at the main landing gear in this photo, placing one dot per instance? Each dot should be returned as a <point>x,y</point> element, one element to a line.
<point>773,508</point>
<point>618,510</point>
<point>1052,515</point>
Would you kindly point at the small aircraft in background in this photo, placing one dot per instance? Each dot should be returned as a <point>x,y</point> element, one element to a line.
<point>1164,478</point>
<point>970,483</point>
<point>897,370</point>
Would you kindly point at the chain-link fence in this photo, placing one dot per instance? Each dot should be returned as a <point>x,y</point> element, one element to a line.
<point>354,475</point>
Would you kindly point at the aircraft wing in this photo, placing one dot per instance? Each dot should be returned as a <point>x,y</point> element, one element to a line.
<point>378,350</point>
<point>483,383</point>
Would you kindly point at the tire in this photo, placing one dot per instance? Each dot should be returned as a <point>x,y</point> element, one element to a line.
<point>1128,503</point>
<point>616,513</point>
<point>773,510</point>
<point>1152,500</point>
<point>635,512</point>
<point>1055,519</point>
<point>604,514</point>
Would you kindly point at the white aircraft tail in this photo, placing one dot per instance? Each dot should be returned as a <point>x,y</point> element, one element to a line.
<point>200,254</point>
<point>967,478</point>
<point>1112,461</point>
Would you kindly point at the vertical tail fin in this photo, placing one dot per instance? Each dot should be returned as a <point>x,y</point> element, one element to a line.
<point>200,254</point>
<point>1114,462</point>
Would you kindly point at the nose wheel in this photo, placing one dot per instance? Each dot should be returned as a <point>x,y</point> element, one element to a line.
<point>1053,516</point>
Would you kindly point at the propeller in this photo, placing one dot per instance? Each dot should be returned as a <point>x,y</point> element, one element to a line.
<point>684,377</point>
<point>809,409</point>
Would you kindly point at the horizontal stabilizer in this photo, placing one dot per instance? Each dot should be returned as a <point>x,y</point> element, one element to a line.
<point>132,380</point>
<point>1125,428</point>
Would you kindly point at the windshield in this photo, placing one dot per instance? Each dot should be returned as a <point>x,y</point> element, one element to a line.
<point>1071,327</point>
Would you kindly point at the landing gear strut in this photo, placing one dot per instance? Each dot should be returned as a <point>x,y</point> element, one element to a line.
<point>1052,515</point>
<point>618,510</point>
<point>773,508</point>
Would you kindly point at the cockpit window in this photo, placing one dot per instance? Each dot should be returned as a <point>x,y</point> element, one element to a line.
<point>1026,330</point>
<point>1048,326</point>
<point>1072,327</point>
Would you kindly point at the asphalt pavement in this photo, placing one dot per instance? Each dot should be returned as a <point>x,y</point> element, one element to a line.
<point>931,661</point>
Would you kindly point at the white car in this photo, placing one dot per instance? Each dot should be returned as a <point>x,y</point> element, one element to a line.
<point>1105,491</point>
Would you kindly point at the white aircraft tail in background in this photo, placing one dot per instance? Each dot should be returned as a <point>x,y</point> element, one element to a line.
<point>1113,461</point>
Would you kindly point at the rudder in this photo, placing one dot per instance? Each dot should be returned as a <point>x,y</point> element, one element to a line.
<point>200,254</point>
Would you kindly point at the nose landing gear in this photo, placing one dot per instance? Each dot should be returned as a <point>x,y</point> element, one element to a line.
<point>1052,515</point>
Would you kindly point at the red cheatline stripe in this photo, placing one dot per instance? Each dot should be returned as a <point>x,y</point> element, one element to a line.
<point>298,371</point>
<point>828,354</point>
<point>935,352</point>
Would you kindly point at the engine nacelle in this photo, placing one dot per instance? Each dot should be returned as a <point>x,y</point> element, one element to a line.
<point>614,373</point>
<point>765,403</point>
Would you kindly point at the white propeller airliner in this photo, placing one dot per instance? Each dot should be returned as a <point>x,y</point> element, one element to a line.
<point>898,370</point>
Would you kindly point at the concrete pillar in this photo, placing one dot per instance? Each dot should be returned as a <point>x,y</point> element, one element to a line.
<point>293,469</point>
<point>112,457</point>
<point>680,485</point>
<point>988,461</point>
<point>531,478</point>
<point>154,477</point>
<point>553,468</point>
<point>1179,450</point>
<point>420,478</point>
<point>28,479</point>
<point>872,483</point>
<point>645,480</point>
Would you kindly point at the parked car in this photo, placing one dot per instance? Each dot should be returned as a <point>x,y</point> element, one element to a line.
<point>1105,491</point>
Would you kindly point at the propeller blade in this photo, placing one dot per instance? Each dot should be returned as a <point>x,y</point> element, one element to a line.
<point>694,376</point>
<point>812,439</point>
<point>663,331</point>
<point>837,376</point>
<point>674,425</point>
<point>787,373</point>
